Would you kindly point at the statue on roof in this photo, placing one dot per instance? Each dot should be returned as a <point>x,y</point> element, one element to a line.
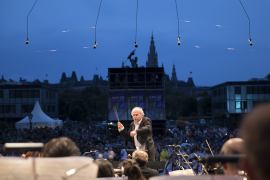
<point>133,61</point>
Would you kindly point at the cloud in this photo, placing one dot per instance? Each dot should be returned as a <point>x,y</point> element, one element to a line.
<point>93,27</point>
<point>85,47</point>
<point>65,31</point>
<point>53,50</point>
<point>218,25</point>
<point>197,46</point>
<point>187,21</point>
<point>38,51</point>
<point>230,48</point>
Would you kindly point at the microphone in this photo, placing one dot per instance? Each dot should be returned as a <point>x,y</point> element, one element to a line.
<point>136,45</point>
<point>250,43</point>
<point>27,42</point>
<point>179,41</point>
<point>95,46</point>
<point>222,158</point>
<point>86,153</point>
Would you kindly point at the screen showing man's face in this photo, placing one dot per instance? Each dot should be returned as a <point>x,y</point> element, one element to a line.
<point>137,116</point>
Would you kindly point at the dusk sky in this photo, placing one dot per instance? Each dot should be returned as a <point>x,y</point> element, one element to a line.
<point>214,38</point>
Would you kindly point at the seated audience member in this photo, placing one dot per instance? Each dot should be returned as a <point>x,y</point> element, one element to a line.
<point>232,146</point>
<point>32,154</point>
<point>133,171</point>
<point>255,130</point>
<point>60,147</point>
<point>105,168</point>
<point>141,157</point>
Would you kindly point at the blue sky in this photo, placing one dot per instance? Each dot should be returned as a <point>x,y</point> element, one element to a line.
<point>214,37</point>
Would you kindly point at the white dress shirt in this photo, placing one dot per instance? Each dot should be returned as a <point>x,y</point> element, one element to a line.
<point>136,142</point>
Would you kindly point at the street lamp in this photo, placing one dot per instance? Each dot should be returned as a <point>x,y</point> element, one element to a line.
<point>10,114</point>
<point>30,116</point>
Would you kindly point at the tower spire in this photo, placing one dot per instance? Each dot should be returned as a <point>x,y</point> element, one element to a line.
<point>152,54</point>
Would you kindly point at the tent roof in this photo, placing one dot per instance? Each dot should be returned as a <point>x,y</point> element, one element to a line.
<point>24,120</point>
<point>39,115</point>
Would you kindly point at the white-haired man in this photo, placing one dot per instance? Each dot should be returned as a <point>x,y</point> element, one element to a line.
<point>140,132</point>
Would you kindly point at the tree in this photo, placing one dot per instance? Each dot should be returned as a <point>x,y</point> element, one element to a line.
<point>203,94</point>
<point>205,104</point>
<point>76,113</point>
<point>188,106</point>
<point>268,76</point>
<point>74,107</point>
<point>173,100</point>
<point>62,107</point>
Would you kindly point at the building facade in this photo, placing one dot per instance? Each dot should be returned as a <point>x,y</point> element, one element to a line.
<point>17,101</point>
<point>231,99</point>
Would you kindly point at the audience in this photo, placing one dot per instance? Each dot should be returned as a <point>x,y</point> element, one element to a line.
<point>141,157</point>
<point>255,131</point>
<point>105,168</point>
<point>132,170</point>
<point>60,147</point>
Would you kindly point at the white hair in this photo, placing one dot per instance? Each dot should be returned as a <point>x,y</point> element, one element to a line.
<point>137,108</point>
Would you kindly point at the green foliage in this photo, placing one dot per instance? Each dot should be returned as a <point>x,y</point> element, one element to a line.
<point>188,106</point>
<point>173,100</point>
<point>76,113</point>
<point>3,125</point>
<point>268,76</point>
<point>62,107</point>
<point>78,106</point>
<point>3,79</point>
<point>205,104</point>
<point>203,94</point>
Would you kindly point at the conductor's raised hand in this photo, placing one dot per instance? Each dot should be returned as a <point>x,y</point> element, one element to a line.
<point>133,133</point>
<point>120,125</point>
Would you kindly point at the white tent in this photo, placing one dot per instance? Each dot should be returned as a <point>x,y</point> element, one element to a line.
<point>40,119</point>
<point>24,123</point>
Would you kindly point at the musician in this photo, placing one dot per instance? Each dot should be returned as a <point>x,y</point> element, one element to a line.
<point>232,146</point>
<point>140,132</point>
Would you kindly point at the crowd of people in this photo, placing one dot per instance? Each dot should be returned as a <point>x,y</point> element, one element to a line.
<point>112,145</point>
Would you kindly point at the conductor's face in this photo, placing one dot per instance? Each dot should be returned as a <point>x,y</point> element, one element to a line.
<point>137,116</point>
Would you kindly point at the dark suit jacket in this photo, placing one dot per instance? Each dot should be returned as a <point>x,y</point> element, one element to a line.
<point>144,136</point>
<point>148,172</point>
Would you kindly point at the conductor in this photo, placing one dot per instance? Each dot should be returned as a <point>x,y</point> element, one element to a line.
<point>140,132</point>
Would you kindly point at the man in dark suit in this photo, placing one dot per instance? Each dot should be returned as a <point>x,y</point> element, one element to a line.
<point>140,132</point>
<point>141,158</point>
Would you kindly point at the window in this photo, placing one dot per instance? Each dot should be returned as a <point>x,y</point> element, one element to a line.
<point>1,109</point>
<point>224,91</point>
<point>215,93</point>
<point>249,89</point>
<point>44,108</point>
<point>24,108</point>
<point>50,95</point>
<point>24,93</point>
<point>255,90</point>
<point>241,105</point>
<point>224,105</point>
<point>6,109</point>
<point>261,89</point>
<point>36,93</point>
<point>1,94</point>
<point>12,94</point>
<point>267,89</point>
<point>13,108</point>
<point>30,94</point>
<point>54,95</point>
<point>53,108</point>
<point>18,93</point>
<point>219,92</point>
<point>49,108</point>
<point>237,89</point>
<point>47,94</point>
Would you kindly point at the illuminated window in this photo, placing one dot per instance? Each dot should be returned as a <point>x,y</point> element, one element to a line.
<point>241,105</point>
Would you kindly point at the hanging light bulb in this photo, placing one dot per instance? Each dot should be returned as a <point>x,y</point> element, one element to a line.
<point>136,45</point>
<point>95,46</point>
<point>27,42</point>
<point>179,41</point>
<point>250,43</point>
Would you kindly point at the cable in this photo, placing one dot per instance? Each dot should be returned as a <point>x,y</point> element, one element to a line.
<point>96,26</point>
<point>178,23</point>
<point>136,45</point>
<point>27,42</point>
<point>250,43</point>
